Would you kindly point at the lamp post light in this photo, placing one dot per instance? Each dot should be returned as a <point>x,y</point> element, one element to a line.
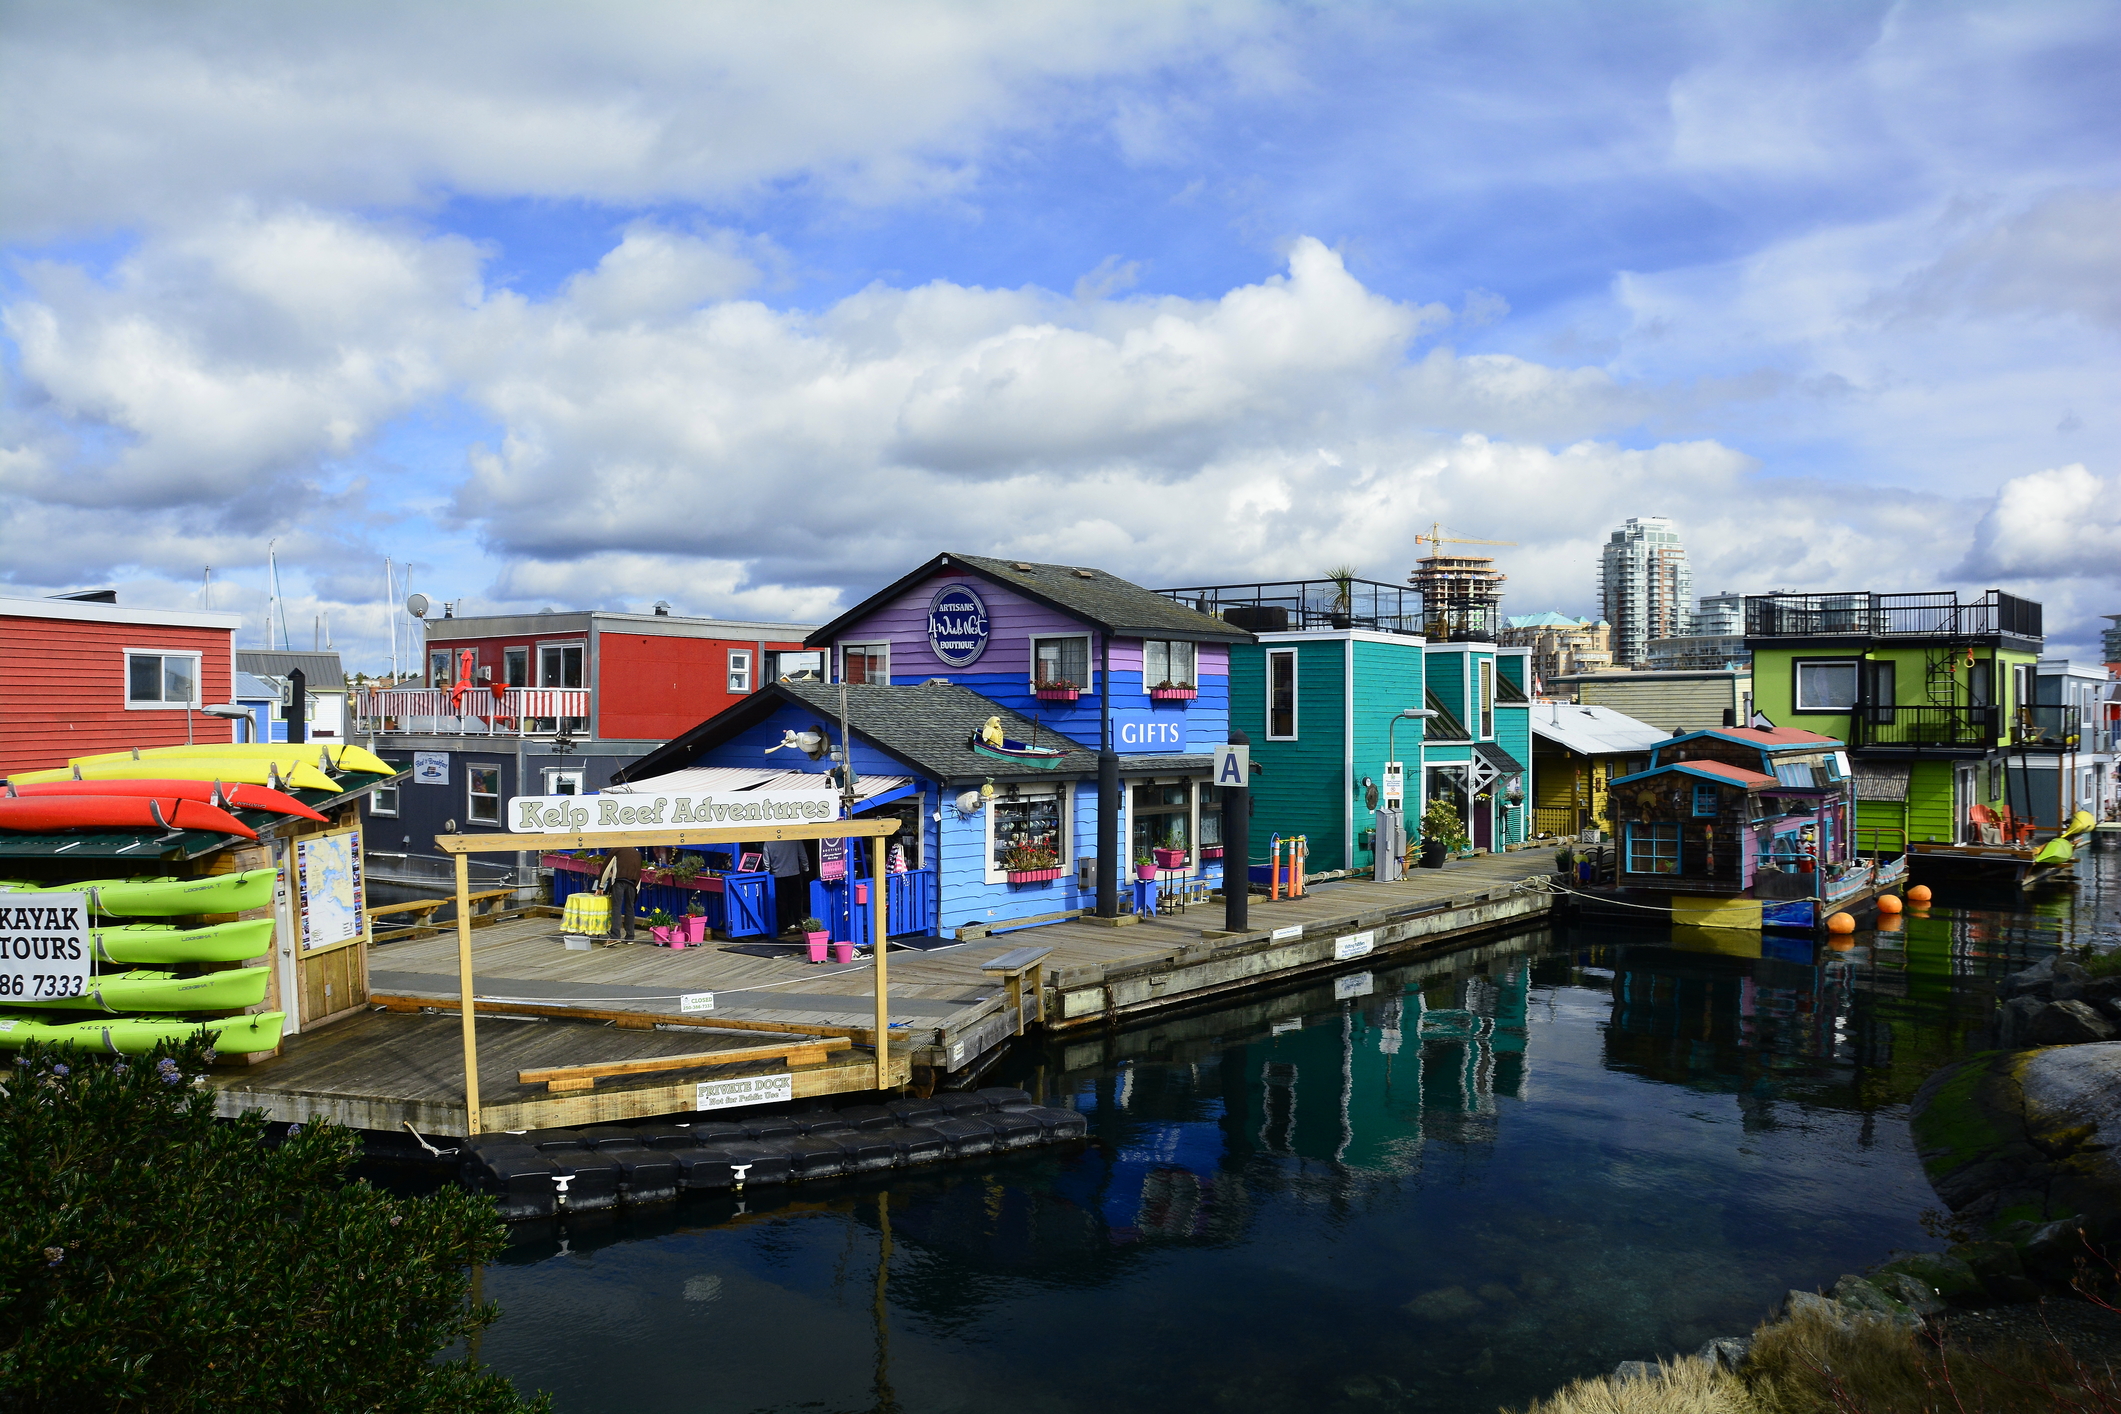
<point>235,712</point>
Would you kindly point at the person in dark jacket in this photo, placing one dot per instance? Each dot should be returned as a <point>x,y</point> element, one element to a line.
<point>625,892</point>
<point>789,863</point>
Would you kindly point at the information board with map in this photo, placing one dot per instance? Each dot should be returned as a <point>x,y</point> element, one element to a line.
<point>328,874</point>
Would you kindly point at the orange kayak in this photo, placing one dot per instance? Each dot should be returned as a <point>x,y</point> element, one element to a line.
<point>228,797</point>
<point>37,813</point>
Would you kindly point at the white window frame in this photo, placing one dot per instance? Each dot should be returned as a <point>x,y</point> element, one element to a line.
<point>125,670</point>
<point>866,645</point>
<point>563,644</point>
<point>375,802</point>
<point>1062,791</point>
<point>446,676</point>
<point>740,670</point>
<point>1031,643</point>
<point>1192,679</point>
<point>554,775</point>
<point>1797,667</point>
<point>471,770</point>
<point>1296,721</point>
<point>1484,689</point>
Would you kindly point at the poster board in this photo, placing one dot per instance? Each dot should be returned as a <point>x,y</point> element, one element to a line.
<point>331,893</point>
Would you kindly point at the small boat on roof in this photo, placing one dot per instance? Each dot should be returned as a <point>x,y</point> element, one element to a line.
<point>989,741</point>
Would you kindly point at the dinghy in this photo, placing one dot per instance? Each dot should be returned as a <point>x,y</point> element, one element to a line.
<point>164,991</point>
<point>989,741</point>
<point>238,1035</point>
<point>228,797</point>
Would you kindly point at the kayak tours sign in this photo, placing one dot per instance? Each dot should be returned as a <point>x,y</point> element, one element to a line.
<point>957,625</point>
<point>588,814</point>
<point>44,946</point>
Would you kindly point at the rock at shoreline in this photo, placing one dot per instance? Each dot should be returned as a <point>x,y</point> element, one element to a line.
<point>2069,1023</point>
<point>2027,1135</point>
<point>1949,1277</point>
<point>1911,1292</point>
<point>2041,977</point>
<point>1728,1351</point>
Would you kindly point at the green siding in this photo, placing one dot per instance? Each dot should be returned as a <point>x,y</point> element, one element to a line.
<point>1298,791</point>
<point>1774,686</point>
<point>1927,814</point>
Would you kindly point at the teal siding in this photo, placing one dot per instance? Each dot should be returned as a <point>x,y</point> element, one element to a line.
<point>1513,733</point>
<point>1446,672</point>
<point>1299,789</point>
<point>1388,677</point>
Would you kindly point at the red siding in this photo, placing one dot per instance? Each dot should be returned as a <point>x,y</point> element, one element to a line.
<point>654,688</point>
<point>62,689</point>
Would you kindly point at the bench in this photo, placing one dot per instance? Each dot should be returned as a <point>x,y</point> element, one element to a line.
<point>424,909</point>
<point>1021,970</point>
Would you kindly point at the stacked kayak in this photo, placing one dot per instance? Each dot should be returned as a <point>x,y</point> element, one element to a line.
<point>163,943</point>
<point>136,1036</point>
<point>332,756</point>
<point>215,793</point>
<point>165,991</point>
<point>256,771</point>
<point>39,814</point>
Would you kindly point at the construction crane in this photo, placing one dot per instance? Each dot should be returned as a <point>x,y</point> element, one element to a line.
<point>1437,537</point>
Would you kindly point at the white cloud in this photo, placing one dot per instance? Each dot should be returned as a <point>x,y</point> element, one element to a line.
<point>2064,522</point>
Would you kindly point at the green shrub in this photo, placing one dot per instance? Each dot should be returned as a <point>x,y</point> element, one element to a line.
<point>155,1258</point>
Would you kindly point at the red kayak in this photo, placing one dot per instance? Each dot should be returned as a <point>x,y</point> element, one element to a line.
<point>239,797</point>
<point>37,813</point>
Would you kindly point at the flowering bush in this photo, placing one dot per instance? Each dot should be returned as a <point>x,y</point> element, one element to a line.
<point>154,1257</point>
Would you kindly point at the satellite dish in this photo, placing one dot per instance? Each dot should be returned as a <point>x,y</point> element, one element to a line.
<point>416,605</point>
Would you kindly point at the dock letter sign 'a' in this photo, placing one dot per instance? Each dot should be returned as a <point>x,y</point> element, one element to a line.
<point>957,626</point>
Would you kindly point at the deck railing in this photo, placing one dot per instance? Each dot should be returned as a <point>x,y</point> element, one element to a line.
<point>1942,614</point>
<point>514,711</point>
<point>1918,727</point>
<point>1293,604</point>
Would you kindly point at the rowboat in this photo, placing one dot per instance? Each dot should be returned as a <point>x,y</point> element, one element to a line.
<point>228,797</point>
<point>989,741</point>
<point>39,814</point>
<point>164,943</point>
<point>299,776</point>
<point>238,1035</point>
<point>332,756</point>
<point>170,897</point>
<point>164,991</point>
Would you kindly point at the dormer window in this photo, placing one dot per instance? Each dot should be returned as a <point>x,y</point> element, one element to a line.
<point>1167,663</point>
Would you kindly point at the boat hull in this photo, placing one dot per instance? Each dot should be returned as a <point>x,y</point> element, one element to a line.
<point>173,898</point>
<point>39,814</point>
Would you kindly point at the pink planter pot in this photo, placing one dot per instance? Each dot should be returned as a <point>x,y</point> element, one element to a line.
<point>842,951</point>
<point>818,943</point>
<point>1173,694</point>
<point>1170,858</point>
<point>1145,872</point>
<point>695,927</point>
<point>1033,876</point>
<point>1057,694</point>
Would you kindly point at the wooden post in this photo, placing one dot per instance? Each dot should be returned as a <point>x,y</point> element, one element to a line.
<point>467,1010</point>
<point>880,940</point>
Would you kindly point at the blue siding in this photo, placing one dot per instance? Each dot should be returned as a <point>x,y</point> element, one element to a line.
<point>1207,717</point>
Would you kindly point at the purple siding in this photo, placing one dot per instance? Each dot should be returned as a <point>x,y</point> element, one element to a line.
<point>1011,618</point>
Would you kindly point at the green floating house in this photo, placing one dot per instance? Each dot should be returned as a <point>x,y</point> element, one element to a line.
<point>1342,681</point>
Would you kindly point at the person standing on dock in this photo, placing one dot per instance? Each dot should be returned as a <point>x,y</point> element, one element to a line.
<point>625,892</point>
<point>789,863</point>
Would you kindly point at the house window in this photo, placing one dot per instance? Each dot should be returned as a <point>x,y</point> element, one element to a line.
<point>1704,802</point>
<point>740,670</point>
<point>1487,697</point>
<point>1027,831</point>
<point>1653,849</point>
<point>1828,685</point>
<point>515,667</point>
<point>1797,773</point>
<point>563,782</point>
<point>559,665</point>
<point>1162,816</point>
<point>1168,664</point>
<point>1211,817</point>
<point>383,800</point>
<point>1060,662</point>
<point>483,787</point>
<point>1281,695</point>
<point>1884,678</point>
<point>788,664</point>
<point>438,674</point>
<point>865,662</point>
<point>161,680</point>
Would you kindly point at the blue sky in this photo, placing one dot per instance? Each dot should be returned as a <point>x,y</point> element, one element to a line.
<point>749,307</point>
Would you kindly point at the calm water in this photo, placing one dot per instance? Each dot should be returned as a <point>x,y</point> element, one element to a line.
<point>1431,1187</point>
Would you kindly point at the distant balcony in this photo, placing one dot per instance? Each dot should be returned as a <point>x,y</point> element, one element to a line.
<point>514,711</point>
<point>1936,615</point>
<point>1295,604</point>
<point>1924,728</point>
<point>2057,728</point>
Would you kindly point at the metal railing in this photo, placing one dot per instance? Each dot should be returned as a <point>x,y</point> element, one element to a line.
<point>1918,727</point>
<point>2055,726</point>
<point>431,711</point>
<point>1287,605</point>
<point>1940,614</point>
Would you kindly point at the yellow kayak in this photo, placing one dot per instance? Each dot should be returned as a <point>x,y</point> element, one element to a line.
<point>230,770</point>
<point>2078,824</point>
<point>332,755</point>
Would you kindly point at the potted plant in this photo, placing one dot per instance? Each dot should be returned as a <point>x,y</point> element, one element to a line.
<point>696,921</point>
<point>1168,691</point>
<point>659,926</point>
<point>1030,864</point>
<point>1442,833</point>
<point>813,930</point>
<point>1342,578</point>
<point>1145,867</point>
<point>1056,690</point>
<point>1167,858</point>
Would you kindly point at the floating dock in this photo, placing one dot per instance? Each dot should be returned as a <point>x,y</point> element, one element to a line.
<point>542,1007</point>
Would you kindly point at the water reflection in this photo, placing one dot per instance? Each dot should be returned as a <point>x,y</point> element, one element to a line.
<point>1437,1186</point>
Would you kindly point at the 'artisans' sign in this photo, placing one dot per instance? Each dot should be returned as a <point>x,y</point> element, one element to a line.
<point>957,625</point>
<point>43,946</point>
<point>586,814</point>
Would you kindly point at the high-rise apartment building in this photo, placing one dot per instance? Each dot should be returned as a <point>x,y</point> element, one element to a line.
<point>2110,642</point>
<point>1645,586</point>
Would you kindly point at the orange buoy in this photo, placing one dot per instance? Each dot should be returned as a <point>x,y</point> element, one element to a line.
<point>1919,894</point>
<point>1888,904</point>
<point>1840,923</point>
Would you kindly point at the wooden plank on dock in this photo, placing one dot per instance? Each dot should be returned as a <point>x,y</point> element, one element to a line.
<point>582,1077</point>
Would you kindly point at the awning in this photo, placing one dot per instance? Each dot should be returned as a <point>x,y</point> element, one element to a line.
<point>1491,763</point>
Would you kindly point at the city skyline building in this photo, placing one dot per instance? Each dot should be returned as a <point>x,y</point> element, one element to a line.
<point>1645,587</point>
<point>1560,644</point>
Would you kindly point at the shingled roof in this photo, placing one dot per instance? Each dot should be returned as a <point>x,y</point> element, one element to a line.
<point>1097,597</point>
<point>925,726</point>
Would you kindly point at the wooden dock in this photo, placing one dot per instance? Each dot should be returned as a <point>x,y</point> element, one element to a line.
<point>541,1005</point>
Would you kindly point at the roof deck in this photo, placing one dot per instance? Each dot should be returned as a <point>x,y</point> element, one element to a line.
<point>1940,614</point>
<point>1296,605</point>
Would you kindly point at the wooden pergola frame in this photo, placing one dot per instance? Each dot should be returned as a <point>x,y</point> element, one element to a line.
<point>462,847</point>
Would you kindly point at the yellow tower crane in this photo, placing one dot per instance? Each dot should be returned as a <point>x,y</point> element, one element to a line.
<point>1437,537</point>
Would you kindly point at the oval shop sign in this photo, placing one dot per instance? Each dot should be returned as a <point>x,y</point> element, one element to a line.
<point>957,626</point>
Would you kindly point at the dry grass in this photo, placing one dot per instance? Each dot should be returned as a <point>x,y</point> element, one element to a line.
<point>1810,1365</point>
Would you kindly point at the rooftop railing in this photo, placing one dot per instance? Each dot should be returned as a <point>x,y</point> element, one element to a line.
<point>1940,614</point>
<point>433,711</point>
<point>1285,605</point>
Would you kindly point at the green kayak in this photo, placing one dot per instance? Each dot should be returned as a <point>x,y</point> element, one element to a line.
<point>166,991</point>
<point>169,898</point>
<point>257,1031</point>
<point>165,942</point>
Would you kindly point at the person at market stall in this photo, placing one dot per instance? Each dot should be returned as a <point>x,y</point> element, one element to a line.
<point>625,892</point>
<point>789,863</point>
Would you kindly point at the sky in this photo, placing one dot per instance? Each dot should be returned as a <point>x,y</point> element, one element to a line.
<point>750,308</point>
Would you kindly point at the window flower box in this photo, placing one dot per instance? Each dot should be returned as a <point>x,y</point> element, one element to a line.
<point>1170,858</point>
<point>1058,690</point>
<point>1033,876</point>
<point>1211,851</point>
<point>1173,694</point>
